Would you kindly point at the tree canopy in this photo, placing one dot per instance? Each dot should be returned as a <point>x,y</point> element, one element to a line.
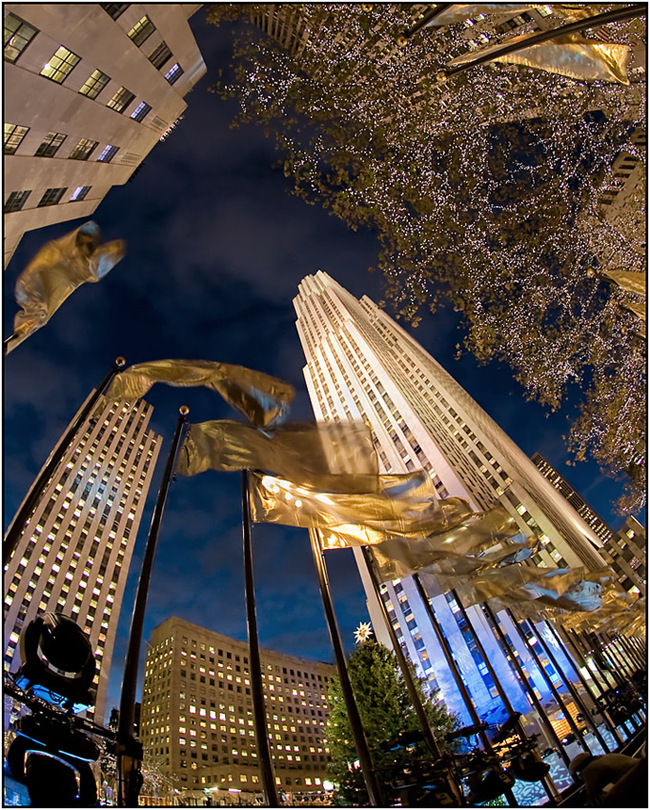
<point>483,192</point>
<point>386,713</point>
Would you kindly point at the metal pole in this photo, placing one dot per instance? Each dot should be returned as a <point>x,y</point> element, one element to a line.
<point>408,679</point>
<point>547,782</point>
<point>616,15</point>
<point>451,663</point>
<point>257,689</point>
<point>587,647</point>
<point>21,518</point>
<point>529,689</point>
<point>599,650</point>
<point>572,691</point>
<point>632,651</point>
<point>617,653</point>
<point>576,668</point>
<point>128,749</point>
<point>358,734</point>
<point>427,17</point>
<point>549,682</point>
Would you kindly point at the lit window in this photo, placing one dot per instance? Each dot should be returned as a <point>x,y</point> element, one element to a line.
<point>141,111</point>
<point>160,55</point>
<point>141,31</point>
<point>108,153</point>
<point>51,197</point>
<point>14,135</point>
<point>94,84</point>
<point>174,73</point>
<point>121,100</point>
<point>17,36</point>
<point>15,201</point>
<point>50,145</point>
<point>60,65</point>
<point>79,194</point>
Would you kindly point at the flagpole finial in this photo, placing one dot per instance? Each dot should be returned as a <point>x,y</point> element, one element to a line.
<point>120,361</point>
<point>183,410</point>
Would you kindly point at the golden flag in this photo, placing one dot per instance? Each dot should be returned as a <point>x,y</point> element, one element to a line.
<point>263,399</point>
<point>569,55</point>
<point>478,540</point>
<point>629,280</point>
<point>58,269</point>
<point>324,455</point>
<point>398,506</point>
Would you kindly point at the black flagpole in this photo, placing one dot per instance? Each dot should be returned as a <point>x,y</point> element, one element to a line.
<point>576,668</point>
<point>257,689</point>
<point>624,642</point>
<point>616,15</point>
<point>572,690</point>
<point>17,526</point>
<point>529,689</point>
<point>408,679</point>
<point>572,723</point>
<point>547,781</point>
<point>129,750</point>
<point>360,740</point>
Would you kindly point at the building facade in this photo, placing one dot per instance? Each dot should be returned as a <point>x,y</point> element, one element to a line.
<point>362,365</point>
<point>197,714</point>
<point>89,90</point>
<point>625,550</point>
<point>75,551</point>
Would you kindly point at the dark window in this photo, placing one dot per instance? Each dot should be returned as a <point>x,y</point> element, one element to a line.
<point>16,200</point>
<point>141,31</point>
<point>51,197</point>
<point>174,73</point>
<point>14,135</point>
<point>160,55</point>
<point>50,145</point>
<point>83,149</point>
<point>60,65</point>
<point>115,9</point>
<point>94,84</point>
<point>141,111</point>
<point>80,193</point>
<point>121,100</point>
<point>17,36</point>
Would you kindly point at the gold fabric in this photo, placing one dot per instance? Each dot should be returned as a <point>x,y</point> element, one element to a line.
<point>263,399</point>
<point>459,12</point>
<point>629,280</point>
<point>569,55</point>
<point>478,540</point>
<point>58,269</point>
<point>398,506</point>
<point>320,455</point>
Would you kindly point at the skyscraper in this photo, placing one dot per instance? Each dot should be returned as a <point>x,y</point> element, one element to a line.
<point>197,714</point>
<point>624,551</point>
<point>76,547</point>
<point>89,90</point>
<point>362,365</point>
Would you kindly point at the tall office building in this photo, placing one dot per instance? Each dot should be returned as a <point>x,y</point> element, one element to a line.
<point>362,365</point>
<point>197,714</point>
<point>89,90</point>
<point>624,551</point>
<point>76,547</point>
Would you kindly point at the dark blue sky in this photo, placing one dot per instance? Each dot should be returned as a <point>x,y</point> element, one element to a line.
<point>216,248</point>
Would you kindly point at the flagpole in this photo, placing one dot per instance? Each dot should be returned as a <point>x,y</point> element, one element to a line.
<point>632,652</point>
<point>529,689</point>
<point>583,681</point>
<point>17,525</point>
<point>617,654</point>
<point>596,20</point>
<point>408,679</point>
<point>129,750</point>
<point>572,723</point>
<point>257,689</point>
<point>547,781</point>
<point>358,734</point>
<point>572,690</point>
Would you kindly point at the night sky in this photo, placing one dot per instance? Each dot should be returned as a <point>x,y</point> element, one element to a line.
<point>216,247</point>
